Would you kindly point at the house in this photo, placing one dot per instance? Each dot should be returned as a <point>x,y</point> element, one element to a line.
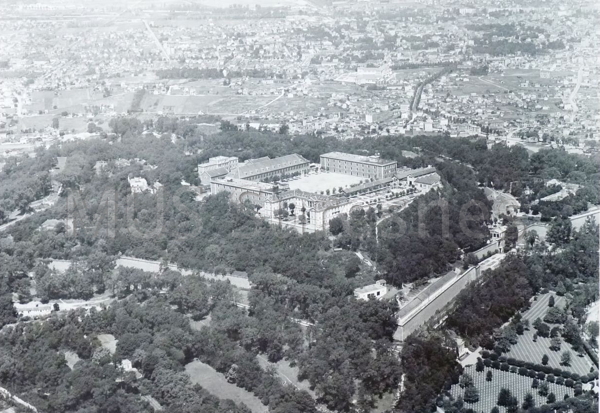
<point>138,185</point>
<point>377,291</point>
<point>497,232</point>
<point>426,183</point>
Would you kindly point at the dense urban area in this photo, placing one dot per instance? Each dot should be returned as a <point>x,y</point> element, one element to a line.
<point>299,206</point>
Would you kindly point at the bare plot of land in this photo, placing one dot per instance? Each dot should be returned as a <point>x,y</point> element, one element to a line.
<point>324,181</point>
<point>109,342</point>
<point>72,358</point>
<point>215,383</point>
<point>518,385</point>
<point>593,312</point>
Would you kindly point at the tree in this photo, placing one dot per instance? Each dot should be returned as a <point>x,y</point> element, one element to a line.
<point>336,226</point>
<point>504,397</point>
<point>55,123</point>
<point>555,343</point>
<point>471,394</point>
<point>551,398</point>
<point>466,380</point>
<point>535,384</point>
<point>8,314</point>
<point>479,365</point>
<point>528,402</point>
<point>543,389</point>
<point>551,301</point>
<point>545,359</point>
<point>488,375</point>
<point>511,236</point>
<point>565,359</point>
<point>495,409</point>
<point>284,128</point>
<point>292,207</point>
<point>560,231</point>
<point>555,315</point>
<point>593,330</point>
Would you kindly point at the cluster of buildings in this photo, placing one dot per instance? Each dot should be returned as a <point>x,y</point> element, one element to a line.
<point>263,182</point>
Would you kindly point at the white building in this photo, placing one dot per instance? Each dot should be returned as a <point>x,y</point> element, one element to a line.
<point>377,291</point>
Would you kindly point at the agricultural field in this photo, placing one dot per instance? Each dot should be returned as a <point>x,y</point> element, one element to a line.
<point>518,385</point>
<point>216,384</point>
<point>528,350</point>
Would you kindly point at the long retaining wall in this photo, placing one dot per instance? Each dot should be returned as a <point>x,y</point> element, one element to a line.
<point>437,302</point>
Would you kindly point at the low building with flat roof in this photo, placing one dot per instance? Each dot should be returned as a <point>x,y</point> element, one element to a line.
<point>359,165</point>
<point>377,291</point>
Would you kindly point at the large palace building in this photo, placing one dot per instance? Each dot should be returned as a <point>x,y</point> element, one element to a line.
<point>358,165</point>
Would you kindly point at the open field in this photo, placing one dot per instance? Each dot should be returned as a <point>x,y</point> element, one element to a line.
<point>72,358</point>
<point>593,312</point>
<point>109,342</point>
<point>215,383</point>
<point>231,105</point>
<point>518,385</point>
<point>324,181</point>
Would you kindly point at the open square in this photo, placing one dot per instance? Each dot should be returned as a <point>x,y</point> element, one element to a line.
<point>323,181</point>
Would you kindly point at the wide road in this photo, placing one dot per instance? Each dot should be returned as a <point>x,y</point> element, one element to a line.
<point>573,94</point>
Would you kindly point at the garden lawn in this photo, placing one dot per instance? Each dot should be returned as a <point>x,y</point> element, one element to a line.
<point>518,385</point>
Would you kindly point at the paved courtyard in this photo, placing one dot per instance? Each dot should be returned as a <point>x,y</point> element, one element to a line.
<point>323,181</point>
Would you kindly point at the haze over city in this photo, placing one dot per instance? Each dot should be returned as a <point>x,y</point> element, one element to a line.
<point>299,206</point>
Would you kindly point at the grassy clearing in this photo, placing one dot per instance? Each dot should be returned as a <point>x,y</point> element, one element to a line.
<point>215,383</point>
<point>109,342</point>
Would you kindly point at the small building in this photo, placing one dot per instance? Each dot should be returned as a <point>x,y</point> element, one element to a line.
<point>138,185</point>
<point>377,291</point>
<point>497,232</point>
<point>426,183</point>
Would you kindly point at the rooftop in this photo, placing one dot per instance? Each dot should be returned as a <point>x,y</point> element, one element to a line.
<point>244,183</point>
<point>373,160</point>
<point>264,165</point>
<point>370,288</point>
<point>429,179</point>
<point>405,173</point>
<point>217,172</point>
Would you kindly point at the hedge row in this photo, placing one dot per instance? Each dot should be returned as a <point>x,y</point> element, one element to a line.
<point>553,376</point>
